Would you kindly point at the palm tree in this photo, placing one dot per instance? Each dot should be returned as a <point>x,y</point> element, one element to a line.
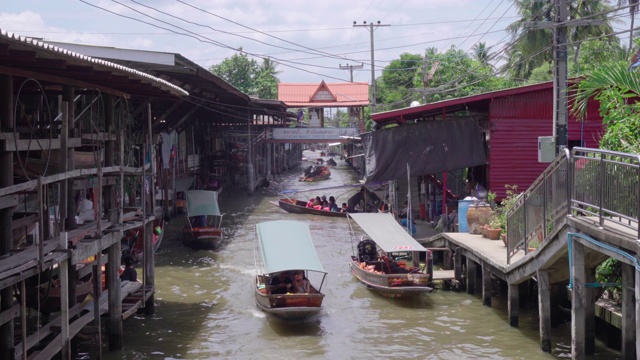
<point>481,53</point>
<point>616,88</point>
<point>534,46</point>
<point>633,10</point>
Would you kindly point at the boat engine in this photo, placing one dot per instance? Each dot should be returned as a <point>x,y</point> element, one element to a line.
<point>367,250</point>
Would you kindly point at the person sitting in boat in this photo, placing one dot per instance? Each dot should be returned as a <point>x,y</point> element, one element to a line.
<point>310,203</point>
<point>317,201</point>
<point>324,201</point>
<point>344,208</point>
<point>129,273</point>
<point>333,207</point>
<point>307,171</point>
<point>300,283</point>
<point>280,284</point>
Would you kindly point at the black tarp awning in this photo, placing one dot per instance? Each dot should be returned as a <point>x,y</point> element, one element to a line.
<point>428,147</point>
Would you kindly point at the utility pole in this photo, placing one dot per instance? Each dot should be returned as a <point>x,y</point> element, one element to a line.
<point>561,113</point>
<point>350,68</point>
<point>372,27</point>
<point>559,26</point>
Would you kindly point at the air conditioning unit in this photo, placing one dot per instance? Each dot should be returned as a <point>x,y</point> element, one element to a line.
<point>546,149</point>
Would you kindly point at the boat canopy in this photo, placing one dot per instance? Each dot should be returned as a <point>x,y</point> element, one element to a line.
<point>183,184</point>
<point>287,245</point>
<point>385,231</point>
<point>202,202</point>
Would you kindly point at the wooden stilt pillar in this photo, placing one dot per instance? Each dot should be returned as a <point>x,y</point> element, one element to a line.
<point>513,306</point>
<point>64,300</point>
<point>6,235</point>
<point>97,291</point>
<point>109,158</point>
<point>446,263</point>
<point>70,215</point>
<point>486,286</point>
<point>590,313</point>
<point>115,305</point>
<point>149,267</point>
<point>471,276</point>
<point>544,310</point>
<point>628,313</point>
<point>457,266</point>
<point>578,297</point>
<point>269,160</point>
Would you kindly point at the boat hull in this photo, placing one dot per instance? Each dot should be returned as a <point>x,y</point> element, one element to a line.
<point>46,297</point>
<point>288,306</point>
<point>391,285</point>
<point>323,176</point>
<point>300,207</point>
<point>202,237</point>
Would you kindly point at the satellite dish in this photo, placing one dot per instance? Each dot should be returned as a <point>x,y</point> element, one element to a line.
<point>414,103</point>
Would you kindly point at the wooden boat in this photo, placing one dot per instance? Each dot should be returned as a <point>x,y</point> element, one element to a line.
<point>383,271</point>
<point>45,297</point>
<point>133,241</point>
<point>300,207</point>
<point>324,174</point>
<point>49,162</point>
<point>203,227</point>
<point>286,246</point>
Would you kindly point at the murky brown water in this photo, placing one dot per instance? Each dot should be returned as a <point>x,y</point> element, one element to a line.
<point>205,305</point>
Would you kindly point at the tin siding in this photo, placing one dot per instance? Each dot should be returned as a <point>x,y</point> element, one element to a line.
<point>516,122</point>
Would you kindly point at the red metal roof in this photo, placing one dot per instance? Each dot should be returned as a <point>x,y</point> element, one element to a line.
<point>452,105</point>
<point>323,94</point>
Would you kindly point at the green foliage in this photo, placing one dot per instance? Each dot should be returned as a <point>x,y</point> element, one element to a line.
<point>540,74</point>
<point>531,47</point>
<point>457,74</point>
<point>397,80</point>
<point>609,272</point>
<point>598,53</point>
<point>500,214</point>
<point>615,87</point>
<point>247,76</point>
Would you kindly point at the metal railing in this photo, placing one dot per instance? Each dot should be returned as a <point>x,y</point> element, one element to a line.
<point>606,185</point>
<point>540,209</point>
<point>586,182</point>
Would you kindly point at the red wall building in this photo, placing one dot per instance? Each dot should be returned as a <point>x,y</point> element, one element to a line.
<point>512,120</point>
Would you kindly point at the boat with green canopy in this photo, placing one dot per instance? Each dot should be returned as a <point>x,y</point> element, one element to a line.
<point>203,228</point>
<point>287,270</point>
<point>388,261</point>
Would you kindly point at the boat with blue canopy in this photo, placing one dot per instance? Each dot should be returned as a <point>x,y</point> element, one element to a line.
<point>288,270</point>
<point>388,259</point>
<point>203,228</point>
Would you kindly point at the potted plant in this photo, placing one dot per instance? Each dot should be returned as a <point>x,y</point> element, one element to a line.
<point>494,230</point>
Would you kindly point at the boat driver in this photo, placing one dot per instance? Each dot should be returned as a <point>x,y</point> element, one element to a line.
<point>280,284</point>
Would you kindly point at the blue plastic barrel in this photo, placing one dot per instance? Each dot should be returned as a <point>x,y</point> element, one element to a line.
<point>463,207</point>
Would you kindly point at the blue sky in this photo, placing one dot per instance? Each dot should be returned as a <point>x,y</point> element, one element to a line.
<point>309,39</point>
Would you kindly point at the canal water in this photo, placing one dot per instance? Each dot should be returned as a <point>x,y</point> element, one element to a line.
<point>205,306</point>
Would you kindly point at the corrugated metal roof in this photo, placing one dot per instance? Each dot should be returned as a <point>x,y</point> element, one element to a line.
<point>42,46</point>
<point>346,94</point>
<point>457,104</point>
